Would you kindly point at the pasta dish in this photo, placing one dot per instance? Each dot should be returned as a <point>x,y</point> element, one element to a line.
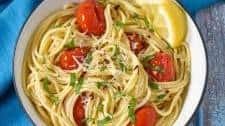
<point>103,63</point>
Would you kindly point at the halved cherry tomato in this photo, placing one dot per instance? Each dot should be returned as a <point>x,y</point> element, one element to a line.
<point>146,116</point>
<point>90,17</point>
<point>79,112</point>
<point>137,43</point>
<point>161,67</point>
<point>67,58</point>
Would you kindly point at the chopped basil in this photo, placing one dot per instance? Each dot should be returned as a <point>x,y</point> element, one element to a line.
<point>135,16</point>
<point>101,84</point>
<point>153,86</point>
<point>119,25</point>
<point>88,58</point>
<point>160,97</point>
<point>54,99</point>
<point>119,94</point>
<point>148,25</point>
<point>122,66</point>
<point>103,2</point>
<point>146,21</point>
<point>117,51</point>
<point>46,83</point>
<point>104,121</point>
<point>158,68</point>
<point>100,107</point>
<point>79,84</point>
<point>131,109</point>
<point>73,79</point>
<point>76,83</point>
<point>103,68</point>
<point>146,59</point>
<point>88,119</point>
<point>70,44</point>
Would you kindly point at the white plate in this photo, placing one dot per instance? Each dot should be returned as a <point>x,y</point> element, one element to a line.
<point>198,62</point>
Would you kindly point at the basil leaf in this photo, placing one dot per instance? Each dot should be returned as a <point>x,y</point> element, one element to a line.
<point>70,44</point>
<point>119,25</point>
<point>100,107</point>
<point>148,25</point>
<point>119,94</point>
<point>153,86</point>
<point>117,51</point>
<point>54,99</point>
<point>76,83</point>
<point>146,59</point>
<point>101,84</point>
<point>131,109</point>
<point>103,68</point>
<point>73,79</point>
<point>160,97</point>
<point>104,121</point>
<point>46,83</point>
<point>88,58</point>
<point>79,84</point>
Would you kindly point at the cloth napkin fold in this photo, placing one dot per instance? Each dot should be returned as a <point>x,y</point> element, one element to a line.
<point>13,14</point>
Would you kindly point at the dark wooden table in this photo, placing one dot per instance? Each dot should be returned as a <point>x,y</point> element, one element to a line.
<point>211,23</point>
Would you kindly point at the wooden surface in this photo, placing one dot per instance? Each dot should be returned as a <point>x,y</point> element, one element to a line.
<point>211,23</point>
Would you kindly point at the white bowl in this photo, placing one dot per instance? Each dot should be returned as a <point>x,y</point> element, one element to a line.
<point>198,63</point>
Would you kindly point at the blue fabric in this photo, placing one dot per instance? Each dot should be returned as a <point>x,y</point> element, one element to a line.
<point>13,14</point>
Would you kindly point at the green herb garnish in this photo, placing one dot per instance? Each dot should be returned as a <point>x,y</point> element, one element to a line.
<point>76,83</point>
<point>70,44</point>
<point>73,79</point>
<point>153,86</point>
<point>148,25</point>
<point>101,84</point>
<point>46,83</point>
<point>160,97</point>
<point>100,107</point>
<point>158,68</point>
<point>146,59</point>
<point>123,67</point>
<point>88,58</point>
<point>119,94</point>
<point>104,121</point>
<point>103,68</point>
<point>131,109</point>
<point>54,99</point>
<point>119,25</point>
<point>117,51</point>
<point>88,120</point>
<point>79,84</point>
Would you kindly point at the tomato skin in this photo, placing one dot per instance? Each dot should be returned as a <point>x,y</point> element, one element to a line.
<point>67,58</point>
<point>79,112</point>
<point>137,43</point>
<point>146,116</point>
<point>164,61</point>
<point>90,18</point>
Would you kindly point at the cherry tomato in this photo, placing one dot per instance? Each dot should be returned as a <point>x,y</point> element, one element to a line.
<point>79,112</point>
<point>90,18</point>
<point>161,67</point>
<point>67,58</point>
<point>137,43</point>
<point>146,116</point>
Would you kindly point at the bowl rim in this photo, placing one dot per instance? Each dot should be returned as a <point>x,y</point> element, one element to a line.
<point>188,14</point>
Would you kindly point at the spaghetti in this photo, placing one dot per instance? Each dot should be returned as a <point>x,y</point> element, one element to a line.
<point>111,81</point>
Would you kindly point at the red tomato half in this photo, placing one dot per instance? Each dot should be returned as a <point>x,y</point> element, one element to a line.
<point>146,116</point>
<point>137,43</point>
<point>90,17</point>
<point>161,67</point>
<point>67,58</point>
<point>79,112</point>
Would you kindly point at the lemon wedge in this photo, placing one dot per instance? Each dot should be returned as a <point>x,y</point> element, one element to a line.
<point>170,23</point>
